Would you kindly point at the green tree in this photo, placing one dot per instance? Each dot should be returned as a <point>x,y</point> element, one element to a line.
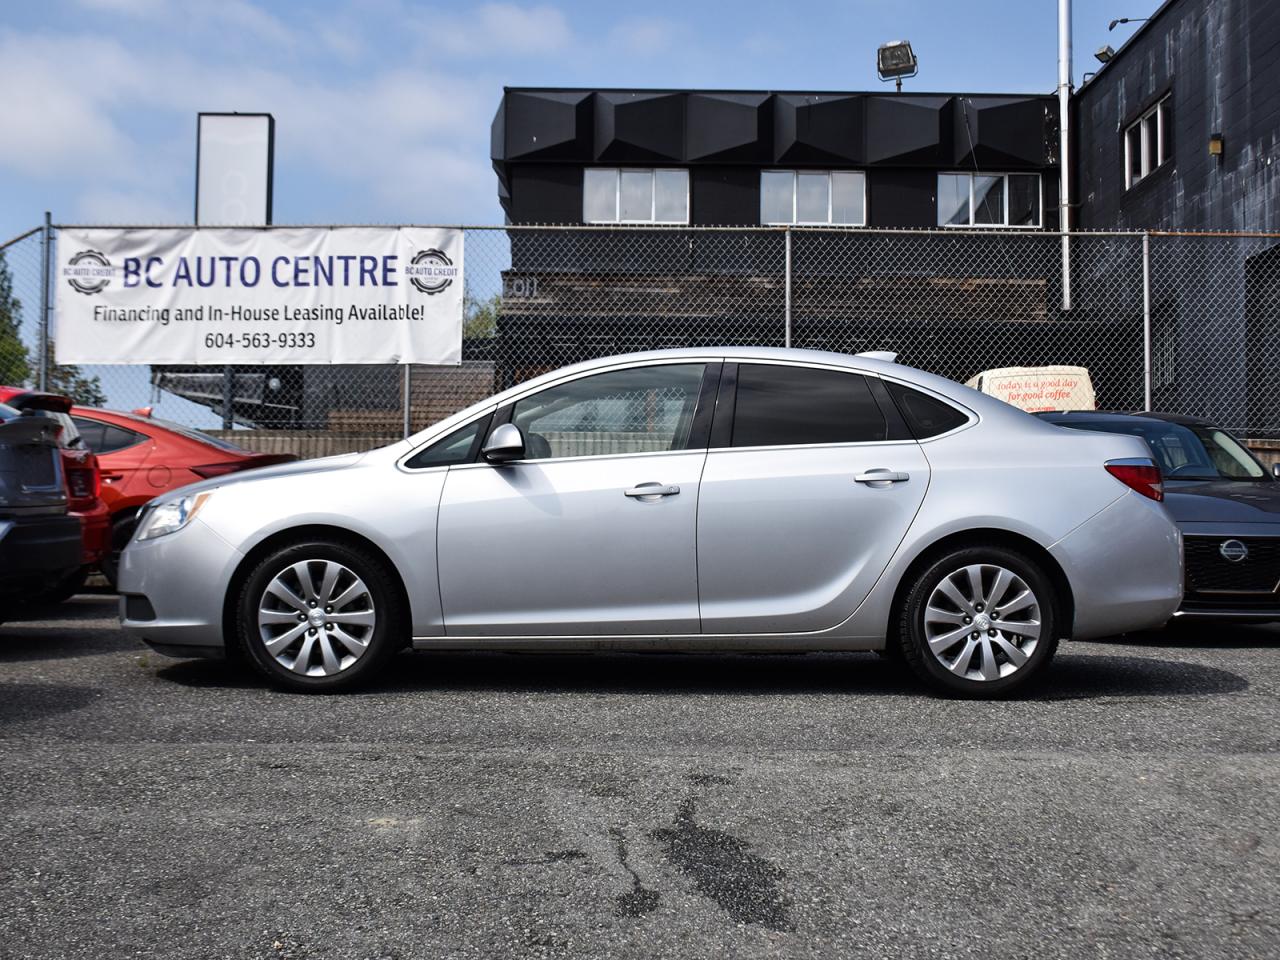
<point>15,364</point>
<point>479,317</point>
<point>18,367</point>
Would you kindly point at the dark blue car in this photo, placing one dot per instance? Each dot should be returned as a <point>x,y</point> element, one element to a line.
<point>1226,503</point>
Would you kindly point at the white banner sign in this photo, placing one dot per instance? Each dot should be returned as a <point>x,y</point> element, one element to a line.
<point>235,296</point>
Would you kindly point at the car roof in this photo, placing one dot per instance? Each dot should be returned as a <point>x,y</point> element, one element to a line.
<point>981,404</point>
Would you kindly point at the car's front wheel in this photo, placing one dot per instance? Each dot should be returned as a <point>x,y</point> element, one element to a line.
<point>320,616</point>
<point>979,622</point>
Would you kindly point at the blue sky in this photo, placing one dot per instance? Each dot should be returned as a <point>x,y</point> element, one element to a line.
<point>383,106</point>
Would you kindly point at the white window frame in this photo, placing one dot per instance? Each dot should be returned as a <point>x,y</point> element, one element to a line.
<point>653,193</point>
<point>1146,167</point>
<point>830,199</point>
<point>1004,185</point>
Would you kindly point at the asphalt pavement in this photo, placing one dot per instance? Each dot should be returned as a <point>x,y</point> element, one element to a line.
<point>499,805</point>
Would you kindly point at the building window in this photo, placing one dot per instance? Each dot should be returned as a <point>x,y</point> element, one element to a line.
<point>989,200</point>
<point>1148,142</point>
<point>813,196</point>
<point>612,195</point>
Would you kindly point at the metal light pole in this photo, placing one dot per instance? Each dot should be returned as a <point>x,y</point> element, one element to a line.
<point>1064,144</point>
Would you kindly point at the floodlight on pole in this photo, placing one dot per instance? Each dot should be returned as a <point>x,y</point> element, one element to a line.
<point>1104,53</point>
<point>895,60</point>
<point>1119,20</point>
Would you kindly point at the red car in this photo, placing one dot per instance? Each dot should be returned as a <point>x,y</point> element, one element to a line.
<point>143,457</point>
<point>80,467</point>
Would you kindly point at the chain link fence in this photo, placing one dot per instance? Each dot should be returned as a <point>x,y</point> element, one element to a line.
<point>1184,323</point>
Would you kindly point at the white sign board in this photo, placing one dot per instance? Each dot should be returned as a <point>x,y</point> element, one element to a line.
<point>245,296</point>
<point>1038,388</point>
<point>233,169</point>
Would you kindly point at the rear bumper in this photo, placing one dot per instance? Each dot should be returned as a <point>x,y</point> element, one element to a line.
<point>1125,568</point>
<point>183,580</point>
<point>33,549</point>
<point>95,533</point>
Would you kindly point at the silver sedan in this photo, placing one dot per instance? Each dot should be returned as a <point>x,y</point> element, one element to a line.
<point>724,499</point>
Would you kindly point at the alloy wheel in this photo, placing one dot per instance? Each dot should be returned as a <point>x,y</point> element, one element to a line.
<point>316,618</point>
<point>982,622</point>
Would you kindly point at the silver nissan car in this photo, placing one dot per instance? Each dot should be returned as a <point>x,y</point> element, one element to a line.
<point>745,499</point>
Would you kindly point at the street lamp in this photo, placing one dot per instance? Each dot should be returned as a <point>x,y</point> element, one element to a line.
<point>895,60</point>
<point>1120,20</point>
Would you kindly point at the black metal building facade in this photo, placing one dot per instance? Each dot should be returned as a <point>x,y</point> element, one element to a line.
<point>543,140</point>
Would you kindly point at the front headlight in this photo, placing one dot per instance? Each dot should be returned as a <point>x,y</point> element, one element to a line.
<point>172,516</point>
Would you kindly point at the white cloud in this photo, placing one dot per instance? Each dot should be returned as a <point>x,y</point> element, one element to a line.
<point>497,28</point>
<point>133,8</point>
<point>645,36</point>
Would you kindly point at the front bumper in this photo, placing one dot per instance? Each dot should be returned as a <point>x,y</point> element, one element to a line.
<point>1245,589</point>
<point>1125,568</point>
<point>183,580</point>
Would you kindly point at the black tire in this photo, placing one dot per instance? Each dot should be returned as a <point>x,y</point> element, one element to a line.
<point>121,533</point>
<point>387,636</point>
<point>913,639</point>
<point>65,588</point>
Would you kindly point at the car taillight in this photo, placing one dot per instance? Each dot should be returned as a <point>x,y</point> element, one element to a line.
<point>84,483</point>
<point>1142,476</point>
<point>217,469</point>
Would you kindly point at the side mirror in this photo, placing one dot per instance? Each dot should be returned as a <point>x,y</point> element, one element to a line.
<point>1275,469</point>
<point>505,444</point>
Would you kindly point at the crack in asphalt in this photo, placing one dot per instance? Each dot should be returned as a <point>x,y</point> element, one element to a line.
<point>638,900</point>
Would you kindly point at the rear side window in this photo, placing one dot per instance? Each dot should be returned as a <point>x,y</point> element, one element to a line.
<point>104,437</point>
<point>925,415</point>
<point>782,405</point>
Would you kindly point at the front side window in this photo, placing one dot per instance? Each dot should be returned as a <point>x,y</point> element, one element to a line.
<point>836,197</point>
<point>988,199</point>
<point>641,410</point>
<point>454,448</point>
<point>783,405</point>
<point>1148,142</point>
<point>614,195</point>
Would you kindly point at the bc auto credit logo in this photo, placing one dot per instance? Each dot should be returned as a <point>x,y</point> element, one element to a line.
<point>431,271</point>
<point>88,272</point>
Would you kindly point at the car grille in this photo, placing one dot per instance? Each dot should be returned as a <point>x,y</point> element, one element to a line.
<point>1208,571</point>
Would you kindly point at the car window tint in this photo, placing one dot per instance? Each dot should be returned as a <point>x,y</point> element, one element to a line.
<point>640,410</point>
<point>926,416</point>
<point>453,448</point>
<point>92,433</point>
<point>105,437</point>
<point>779,405</point>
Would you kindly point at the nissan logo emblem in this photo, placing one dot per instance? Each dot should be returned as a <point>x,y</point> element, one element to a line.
<point>1233,550</point>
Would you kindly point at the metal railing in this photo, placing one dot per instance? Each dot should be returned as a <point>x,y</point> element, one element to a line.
<point>1186,323</point>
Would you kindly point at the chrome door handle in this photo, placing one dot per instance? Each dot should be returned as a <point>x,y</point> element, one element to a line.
<point>882,476</point>
<point>644,491</point>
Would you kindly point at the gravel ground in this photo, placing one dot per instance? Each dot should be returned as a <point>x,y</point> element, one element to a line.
<point>489,805</point>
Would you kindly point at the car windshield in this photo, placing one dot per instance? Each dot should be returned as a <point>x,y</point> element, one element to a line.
<point>1184,451</point>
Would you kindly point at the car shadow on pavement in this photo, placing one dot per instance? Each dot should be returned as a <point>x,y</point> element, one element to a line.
<point>665,674</point>
<point>1205,636</point>
<point>82,626</point>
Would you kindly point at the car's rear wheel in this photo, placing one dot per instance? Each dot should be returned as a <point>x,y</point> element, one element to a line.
<point>979,622</point>
<point>320,616</point>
